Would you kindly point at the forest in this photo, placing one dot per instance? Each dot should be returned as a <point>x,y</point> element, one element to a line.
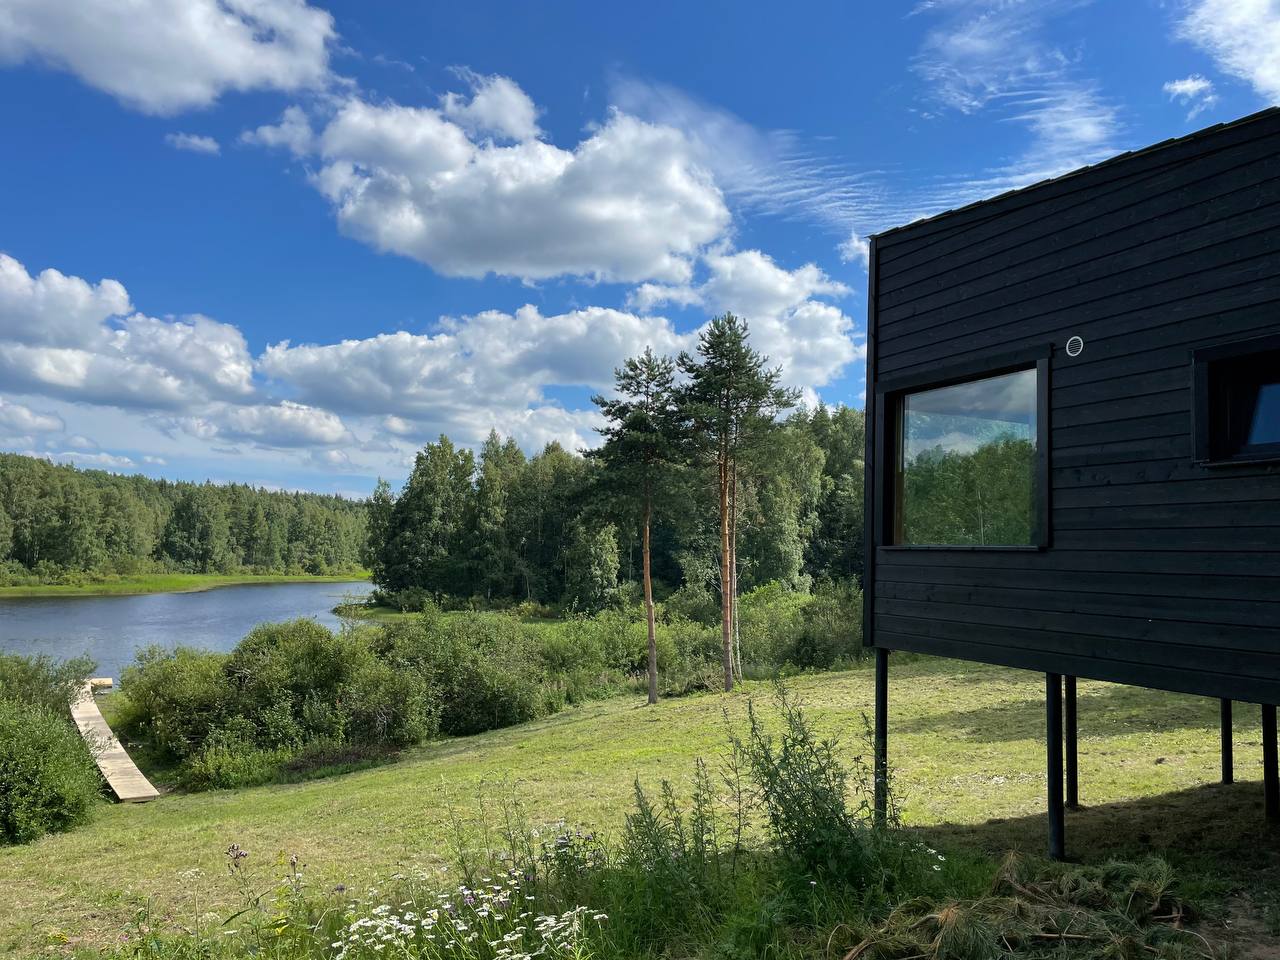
<point>62,524</point>
<point>710,482</point>
<point>501,526</point>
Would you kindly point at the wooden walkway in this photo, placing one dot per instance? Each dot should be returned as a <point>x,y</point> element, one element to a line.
<point>122,775</point>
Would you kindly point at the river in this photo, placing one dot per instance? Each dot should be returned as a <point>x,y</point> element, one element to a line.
<point>110,629</point>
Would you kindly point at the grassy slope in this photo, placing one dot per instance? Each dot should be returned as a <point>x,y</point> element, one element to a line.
<point>166,583</point>
<point>964,739</point>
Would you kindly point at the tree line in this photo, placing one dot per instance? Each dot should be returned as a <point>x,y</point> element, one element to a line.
<point>57,520</point>
<point>711,481</point>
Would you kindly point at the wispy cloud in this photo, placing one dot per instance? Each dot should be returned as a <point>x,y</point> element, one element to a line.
<point>1194,92</point>
<point>993,57</point>
<point>773,172</point>
<point>193,142</point>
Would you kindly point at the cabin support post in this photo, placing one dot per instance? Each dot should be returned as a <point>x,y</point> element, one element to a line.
<point>1228,760</point>
<point>881,746</point>
<point>1072,754</point>
<point>1053,751</point>
<point>1270,778</point>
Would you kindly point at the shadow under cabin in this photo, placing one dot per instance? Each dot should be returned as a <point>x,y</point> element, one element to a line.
<point>1073,443</point>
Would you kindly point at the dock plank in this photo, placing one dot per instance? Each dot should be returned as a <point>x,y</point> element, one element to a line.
<point>122,775</point>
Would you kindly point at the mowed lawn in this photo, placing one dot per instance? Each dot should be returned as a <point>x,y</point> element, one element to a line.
<point>965,740</point>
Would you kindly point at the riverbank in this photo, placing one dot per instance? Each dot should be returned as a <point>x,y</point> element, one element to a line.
<point>168,583</point>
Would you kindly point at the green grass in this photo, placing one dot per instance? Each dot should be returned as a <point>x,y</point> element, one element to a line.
<point>966,742</point>
<point>167,583</point>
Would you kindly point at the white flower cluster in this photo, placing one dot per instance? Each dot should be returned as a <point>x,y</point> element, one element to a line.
<point>487,923</point>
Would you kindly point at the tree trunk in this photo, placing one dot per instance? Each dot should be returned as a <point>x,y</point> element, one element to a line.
<point>648,605</point>
<point>726,578</point>
<point>733,569</point>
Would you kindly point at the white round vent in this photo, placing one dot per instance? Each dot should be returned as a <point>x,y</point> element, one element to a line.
<point>1075,346</point>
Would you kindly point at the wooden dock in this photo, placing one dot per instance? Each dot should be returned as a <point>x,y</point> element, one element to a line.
<point>121,774</point>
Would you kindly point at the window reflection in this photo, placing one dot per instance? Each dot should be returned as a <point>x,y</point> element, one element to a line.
<point>967,463</point>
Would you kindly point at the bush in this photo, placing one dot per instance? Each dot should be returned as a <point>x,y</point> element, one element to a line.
<point>831,628</point>
<point>483,666</point>
<point>229,759</point>
<point>174,698</point>
<point>286,690</point>
<point>48,780</point>
<point>42,680</point>
<point>693,602</point>
<point>770,624</point>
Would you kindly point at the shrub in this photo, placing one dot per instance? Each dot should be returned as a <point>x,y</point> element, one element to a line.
<point>802,788</point>
<point>174,698</point>
<point>42,680</point>
<point>693,602</point>
<point>770,624</point>
<point>230,759</point>
<point>48,780</point>
<point>688,657</point>
<point>488,676</point>
<point>286,691</point>
<point>831,628</point>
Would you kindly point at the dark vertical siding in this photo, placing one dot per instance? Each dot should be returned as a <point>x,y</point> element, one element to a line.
<point>1160,571</point>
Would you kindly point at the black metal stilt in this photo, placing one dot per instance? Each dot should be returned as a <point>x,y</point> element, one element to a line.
<point>1270,777</point>
<point>1072,754</point>
<point>1053,751</point>
<point>881,746</point>
<point>1228,760</point>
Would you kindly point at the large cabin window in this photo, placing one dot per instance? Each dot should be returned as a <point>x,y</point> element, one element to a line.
<point>1238,402</point>
<point>968,463</point>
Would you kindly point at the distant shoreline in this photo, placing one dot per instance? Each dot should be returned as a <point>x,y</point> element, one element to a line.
<point>168,583</point>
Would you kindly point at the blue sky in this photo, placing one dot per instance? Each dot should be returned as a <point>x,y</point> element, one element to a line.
<point>287,243</point>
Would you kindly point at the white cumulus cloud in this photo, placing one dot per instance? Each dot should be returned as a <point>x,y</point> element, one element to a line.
<point>1242,36</point>
<point>62,336</point>
<point>164,56</point>
<point>631,202</point>
<point>812,340</point>
<point>293,132</point>
<point>53,308</point>
<point>285,424</point>
<point>497,107</point>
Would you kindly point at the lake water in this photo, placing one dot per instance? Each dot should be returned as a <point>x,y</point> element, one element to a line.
<point>110,629</point>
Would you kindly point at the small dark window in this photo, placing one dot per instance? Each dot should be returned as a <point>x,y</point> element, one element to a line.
<point>967,464</point>
<point>1238,402</point>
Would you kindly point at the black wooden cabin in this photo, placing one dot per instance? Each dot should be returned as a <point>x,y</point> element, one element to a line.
<point>1073,444</point>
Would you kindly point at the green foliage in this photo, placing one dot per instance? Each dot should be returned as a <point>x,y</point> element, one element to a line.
<point>48,780</point>
<point>66,525</point>
<point>484,669</point>
<point>809,630</point>
<point>229,759</point>
<point>831,628</point>
<point>803,790</point>
<point>591,567</point>
<point>42,680</point>
<point>835,547</point>
<point>675,461</point>
<point>983,496</point>
<point>174,698</point>
<point>426,537</point>
<point>287,689</point>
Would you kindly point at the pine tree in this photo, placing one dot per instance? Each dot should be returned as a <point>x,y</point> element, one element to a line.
<point>730,401</point>
<point>640,452</point>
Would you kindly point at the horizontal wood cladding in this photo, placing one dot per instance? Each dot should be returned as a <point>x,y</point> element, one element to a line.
<point>980,222</point>
<point>1160,571</point>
